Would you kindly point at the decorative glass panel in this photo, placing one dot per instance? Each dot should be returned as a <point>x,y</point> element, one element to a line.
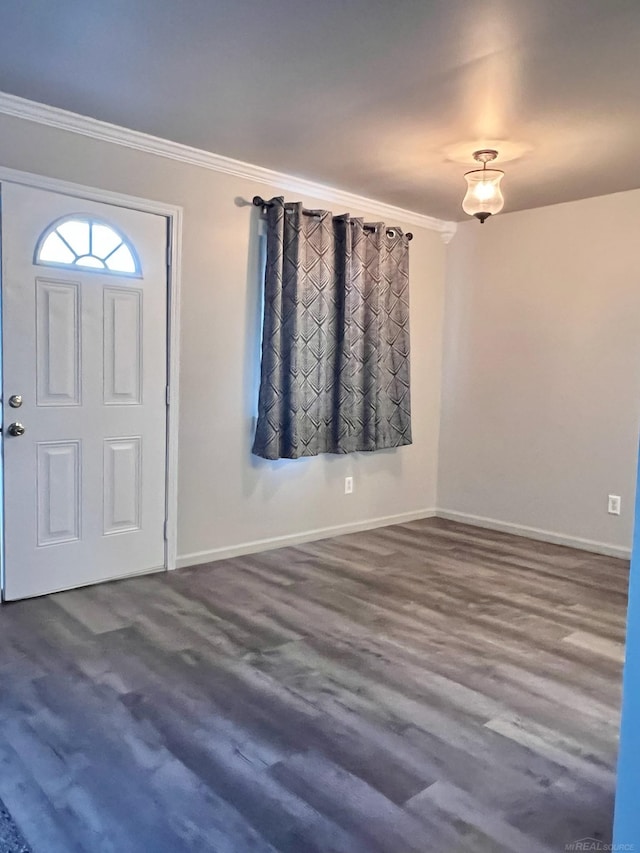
<point>76,234</point>
<point>90,261</point>
<point>55,251</point>
<point>104,240</point>
<point>81,241</point>
<point>121,260</point>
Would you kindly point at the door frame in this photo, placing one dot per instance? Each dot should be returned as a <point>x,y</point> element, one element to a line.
<point>173,214</point>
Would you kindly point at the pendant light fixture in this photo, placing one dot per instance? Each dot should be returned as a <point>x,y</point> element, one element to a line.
<point>484,196</point>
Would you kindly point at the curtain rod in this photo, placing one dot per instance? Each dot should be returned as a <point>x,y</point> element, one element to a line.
<point>260,202</point>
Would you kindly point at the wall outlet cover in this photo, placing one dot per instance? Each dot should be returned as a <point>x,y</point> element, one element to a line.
<point>613,506</point>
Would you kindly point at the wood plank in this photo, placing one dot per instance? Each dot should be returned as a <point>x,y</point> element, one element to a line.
<point>423,687</point>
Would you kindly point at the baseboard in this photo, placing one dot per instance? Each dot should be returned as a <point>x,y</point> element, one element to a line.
<point>535,533</point>
<point>257,545</point>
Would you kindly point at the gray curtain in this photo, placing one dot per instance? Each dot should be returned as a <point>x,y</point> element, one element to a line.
<point>335,346</point>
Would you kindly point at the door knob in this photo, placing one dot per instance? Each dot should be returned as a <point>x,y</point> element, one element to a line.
<point>16,429</point>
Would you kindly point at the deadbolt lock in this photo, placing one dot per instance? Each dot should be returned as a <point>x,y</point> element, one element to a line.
<point>15,401</point>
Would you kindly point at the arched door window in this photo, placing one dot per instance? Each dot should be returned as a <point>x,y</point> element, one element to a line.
<point>93,245</point>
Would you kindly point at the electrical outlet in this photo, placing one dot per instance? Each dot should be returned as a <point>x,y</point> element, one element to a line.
<point>348,485</point>
<point>613,507</point>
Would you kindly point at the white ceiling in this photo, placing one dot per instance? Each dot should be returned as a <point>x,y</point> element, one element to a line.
<point>364,95</point>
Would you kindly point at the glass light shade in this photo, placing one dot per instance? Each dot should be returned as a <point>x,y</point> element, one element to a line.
<point>484,195</point>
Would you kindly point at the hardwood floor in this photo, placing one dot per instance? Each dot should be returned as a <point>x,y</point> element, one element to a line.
<point>424,687</point>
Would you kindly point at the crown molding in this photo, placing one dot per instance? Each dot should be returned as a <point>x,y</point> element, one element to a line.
<point>12,105</point>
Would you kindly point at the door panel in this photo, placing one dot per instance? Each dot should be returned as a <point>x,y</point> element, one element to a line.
<point>58,343</point>
<point>85,347</point>
<point>122,346</point>
<point>58,492</point>
<point>122,495</point>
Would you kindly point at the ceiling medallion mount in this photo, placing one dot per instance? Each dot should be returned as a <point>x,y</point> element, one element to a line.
<point>485,155</point>
<point>484,196</point>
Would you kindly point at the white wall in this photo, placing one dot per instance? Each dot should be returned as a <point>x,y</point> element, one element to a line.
<point>540,378</point>
<point>227,497</point>
<point>541,374</point>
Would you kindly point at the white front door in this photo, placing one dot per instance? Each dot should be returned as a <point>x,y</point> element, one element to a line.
<point>84,346</point>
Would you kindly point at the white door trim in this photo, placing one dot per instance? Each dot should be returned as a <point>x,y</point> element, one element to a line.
<point>173,213</point>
